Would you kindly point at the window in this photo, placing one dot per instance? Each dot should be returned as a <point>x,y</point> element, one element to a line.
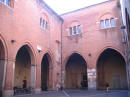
<point>70,29</point>
<point>40,21</point>
<point>107,23</point>
<point>113,22</point>
<point>79,29</point>
<point>43,23</point>
<point>102,24</point>
<point>1,0</point>
<point>74,30</point>
<point>7,2</point>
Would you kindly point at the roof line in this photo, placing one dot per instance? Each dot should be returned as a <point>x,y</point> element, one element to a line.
<point>52,10</point>
<point>85,7</point>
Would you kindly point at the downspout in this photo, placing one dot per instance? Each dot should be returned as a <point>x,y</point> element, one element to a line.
<point>61,55</point>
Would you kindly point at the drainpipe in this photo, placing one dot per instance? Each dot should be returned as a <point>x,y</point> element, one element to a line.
<point>61,55</point>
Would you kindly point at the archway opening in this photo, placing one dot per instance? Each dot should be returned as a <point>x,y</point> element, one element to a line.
<point>111,68</point>
<point>2,64</point>
<point>76,72</point>
<point>45,72</point>
<point>22,73</point>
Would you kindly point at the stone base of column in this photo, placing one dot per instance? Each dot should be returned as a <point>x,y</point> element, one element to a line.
<point>8,93</point>
<point>129,93</point>
<point>37,91</point>
<point>91,85</point>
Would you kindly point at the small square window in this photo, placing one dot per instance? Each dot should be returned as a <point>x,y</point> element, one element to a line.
<point>102,24</point>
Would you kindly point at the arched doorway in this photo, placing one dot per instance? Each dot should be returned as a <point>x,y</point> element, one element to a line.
<point>111,68</point>
<point>76,72</point>
<point>22,72</point>
<point>45,65</point>
<point>2,65</point>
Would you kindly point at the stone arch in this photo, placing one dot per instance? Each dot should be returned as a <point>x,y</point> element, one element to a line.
<point>76,72</point>
<point>111,68</point>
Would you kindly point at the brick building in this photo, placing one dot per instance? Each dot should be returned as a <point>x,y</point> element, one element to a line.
<point>41,50</point>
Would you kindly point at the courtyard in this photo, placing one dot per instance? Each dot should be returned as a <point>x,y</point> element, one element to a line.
<point>79,93</point>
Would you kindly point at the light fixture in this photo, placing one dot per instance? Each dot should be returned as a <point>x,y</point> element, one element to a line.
<point>123,27</point>
<point>89,54</point>
<point>39,48</point>
<point>13,41</point>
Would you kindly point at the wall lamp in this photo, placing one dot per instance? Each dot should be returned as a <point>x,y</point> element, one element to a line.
<point>39,48</point>
<point>123,27</point>
<point>89,54</point>
<point>13,41</point>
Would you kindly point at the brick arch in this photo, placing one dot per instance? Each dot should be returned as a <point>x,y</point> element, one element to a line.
<point>49,58</point>
<point>50,76</point>
<point>99,67</point>
<point>105,15</point>
<point>73,23</point>
<point>83,73</point>
<point>69,55</point>
<point>5,47</point>
<point>105,48</point>
<point>30,50</point>
<point>3,63</point>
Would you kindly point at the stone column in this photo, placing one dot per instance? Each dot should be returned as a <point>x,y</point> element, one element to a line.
<point>8,87</point>
<point>63,78</point>
<point>33,76</point>
<point>38,79</point>
<point>91,78</point>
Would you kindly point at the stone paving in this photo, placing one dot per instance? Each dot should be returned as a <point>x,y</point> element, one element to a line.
<point>78,93</point>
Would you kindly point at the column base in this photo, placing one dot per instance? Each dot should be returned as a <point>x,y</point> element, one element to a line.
<point>37,91</point>
<point>8,93</point>
<point>129,93</point>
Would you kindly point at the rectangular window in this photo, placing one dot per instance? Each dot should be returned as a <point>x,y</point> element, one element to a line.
<point>43,23</point>
<point>40,21</point>
<point>1,0</point>
<point>79,29</point>
<point>102,24</point>
<point>70,29</point>
<point>113,22</point>
<point>107,23</point>
<point>74,29</point>
<point>7,2</point>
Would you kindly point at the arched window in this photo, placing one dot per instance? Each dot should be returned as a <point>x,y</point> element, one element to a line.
<point>43,23</point>
<point>108,23</point>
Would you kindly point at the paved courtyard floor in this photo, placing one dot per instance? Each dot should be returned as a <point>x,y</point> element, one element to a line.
<point>78,93</point>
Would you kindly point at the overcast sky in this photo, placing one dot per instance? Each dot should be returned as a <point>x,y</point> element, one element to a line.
<point>63,6</point>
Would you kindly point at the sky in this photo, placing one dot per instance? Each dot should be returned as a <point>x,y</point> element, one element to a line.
<point>63,6</point>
